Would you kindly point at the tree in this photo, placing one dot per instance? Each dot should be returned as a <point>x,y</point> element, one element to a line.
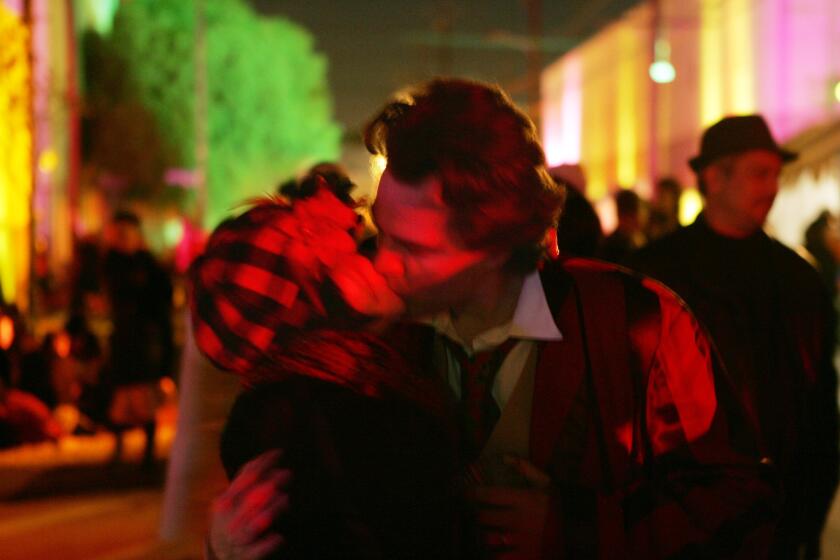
<point>269,111</point>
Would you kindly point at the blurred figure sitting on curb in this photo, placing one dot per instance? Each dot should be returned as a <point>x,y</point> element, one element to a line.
<point>23,418</point>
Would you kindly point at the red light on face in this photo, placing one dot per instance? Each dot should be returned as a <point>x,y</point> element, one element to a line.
<point>7,332</point>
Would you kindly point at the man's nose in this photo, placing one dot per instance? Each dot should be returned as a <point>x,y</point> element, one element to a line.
<point>388,264</point>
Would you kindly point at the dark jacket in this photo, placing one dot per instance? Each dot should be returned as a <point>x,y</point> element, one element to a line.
<point>773,322</point>
<point>140,295</point>
<point>646,445</point>
<point>372,475</point>
<point>639,429</point>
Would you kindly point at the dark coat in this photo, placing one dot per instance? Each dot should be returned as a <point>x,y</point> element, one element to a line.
<point>773,322</point>
<point>639,430</point>
<point>372,476</point>
<point>140,295</point>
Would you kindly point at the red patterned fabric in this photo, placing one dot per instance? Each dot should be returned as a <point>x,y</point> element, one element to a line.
<point>263,308</point>
<point>261,276</point>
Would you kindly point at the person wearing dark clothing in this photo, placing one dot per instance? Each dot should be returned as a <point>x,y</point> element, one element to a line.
<point>372,473</point>
<point>141,345</point>
<point>629,235</point>
<point>23,418</point>
<point>769,316</point>
<point>664,215</point>
<point>579,230</point>
<point>822,240</point>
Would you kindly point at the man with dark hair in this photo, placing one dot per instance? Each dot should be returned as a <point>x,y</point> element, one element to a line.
<point>593,418</point>
<point>769,315</point>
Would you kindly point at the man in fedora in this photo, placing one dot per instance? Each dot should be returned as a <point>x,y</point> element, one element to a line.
<point>767,312</point>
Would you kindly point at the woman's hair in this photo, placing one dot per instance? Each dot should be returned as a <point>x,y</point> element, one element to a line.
<point>487,156</point>
<point>263,278</point>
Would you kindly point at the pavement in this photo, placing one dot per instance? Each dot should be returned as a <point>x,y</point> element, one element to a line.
<point>74,500</point>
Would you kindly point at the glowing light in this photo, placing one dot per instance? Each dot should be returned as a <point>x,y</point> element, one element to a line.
<point>167,387</point>
<point>62,344</point>
<point>15,155</point>
<point>7,332</point>
<point>597,133</point>
<point>711,62</point>
<point>378,163</point>
<point>691,203</point>
<point>627,110</point>
<point>173,231</point>
<point>99,14</point>
<point>48,161</point>
<point>563,113</point>
<point>837,91</point>
<point>662,72</point>
<point>739,56</point>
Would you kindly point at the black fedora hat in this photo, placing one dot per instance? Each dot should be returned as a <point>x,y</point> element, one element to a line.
<point>733,135</point>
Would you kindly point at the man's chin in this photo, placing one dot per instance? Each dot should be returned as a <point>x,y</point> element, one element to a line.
<point>416,309</point>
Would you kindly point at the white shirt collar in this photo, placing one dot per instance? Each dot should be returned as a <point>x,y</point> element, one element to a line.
<point>532,320</point>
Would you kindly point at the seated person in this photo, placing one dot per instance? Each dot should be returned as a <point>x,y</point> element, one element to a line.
<point>23,418</point>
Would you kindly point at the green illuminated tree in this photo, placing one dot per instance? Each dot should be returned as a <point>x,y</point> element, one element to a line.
<point>269,112</point>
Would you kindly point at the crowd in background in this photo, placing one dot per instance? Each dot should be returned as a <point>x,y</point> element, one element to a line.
<point>79,380</point>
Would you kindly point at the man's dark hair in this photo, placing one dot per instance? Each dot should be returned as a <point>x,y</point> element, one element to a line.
<point>487,156</point>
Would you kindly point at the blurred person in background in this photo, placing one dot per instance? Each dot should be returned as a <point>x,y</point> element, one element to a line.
<point>23,417</point>
<point>822,240</point>
<point>664,215</point>
<point>769,315</point>
<point>579,230</point>
<point>141,346</point>
<point>629,234</point>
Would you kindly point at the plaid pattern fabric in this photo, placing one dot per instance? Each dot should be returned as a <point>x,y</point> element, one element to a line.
<point>259,278</point>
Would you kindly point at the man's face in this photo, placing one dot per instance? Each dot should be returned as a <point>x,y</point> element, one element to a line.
<point>744,193</point>
<point>418,255</point>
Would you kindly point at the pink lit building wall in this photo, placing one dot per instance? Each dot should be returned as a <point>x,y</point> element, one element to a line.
<point>777,57</point>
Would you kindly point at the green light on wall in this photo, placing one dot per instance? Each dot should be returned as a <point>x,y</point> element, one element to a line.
<point>98,14</point>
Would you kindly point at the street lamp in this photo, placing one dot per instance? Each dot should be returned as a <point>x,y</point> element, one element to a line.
<point>661,70</point>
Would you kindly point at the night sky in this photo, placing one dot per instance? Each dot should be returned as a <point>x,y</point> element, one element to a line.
<point>374,47</point>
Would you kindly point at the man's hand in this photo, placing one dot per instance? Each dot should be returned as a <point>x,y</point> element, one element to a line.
<point>512,520</point>
<point>241,516</point>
